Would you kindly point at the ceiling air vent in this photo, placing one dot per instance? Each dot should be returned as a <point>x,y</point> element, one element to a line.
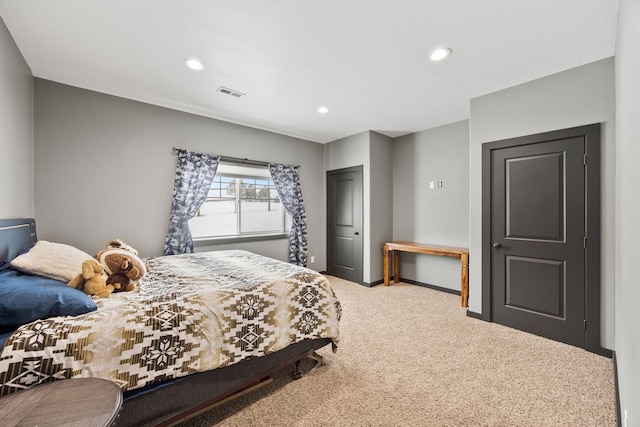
<point>231,92</point>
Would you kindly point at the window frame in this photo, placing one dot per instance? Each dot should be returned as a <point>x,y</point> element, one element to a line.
<point>245,236</point>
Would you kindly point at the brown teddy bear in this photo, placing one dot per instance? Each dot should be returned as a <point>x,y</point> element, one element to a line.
<point>92,280</point>
<point>122,264</point>
<point>125,277</point>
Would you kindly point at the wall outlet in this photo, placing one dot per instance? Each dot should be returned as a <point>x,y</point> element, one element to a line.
<point>313,259</point>
<point>432,185</point>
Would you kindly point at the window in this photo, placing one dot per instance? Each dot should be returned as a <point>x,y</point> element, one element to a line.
<point>242,201</point>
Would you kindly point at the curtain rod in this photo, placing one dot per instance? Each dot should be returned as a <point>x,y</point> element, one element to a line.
<point>236,160</point>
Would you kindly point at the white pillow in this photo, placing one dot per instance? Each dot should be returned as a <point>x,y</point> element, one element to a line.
<point>53,260</point>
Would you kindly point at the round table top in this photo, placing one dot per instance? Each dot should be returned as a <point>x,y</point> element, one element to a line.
<point>81,402</point>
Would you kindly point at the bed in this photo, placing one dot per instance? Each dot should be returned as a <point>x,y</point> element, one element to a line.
<point>198,329</point>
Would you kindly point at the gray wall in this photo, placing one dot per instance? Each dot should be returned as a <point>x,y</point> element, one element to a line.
<point>16,130</point>
<point>344,153</point>
<point>628,208</point>
<point>575,97</point>
<point>105,169</point>
<point>439,216</point>
<point>381,212</point>
<point>374,152</point>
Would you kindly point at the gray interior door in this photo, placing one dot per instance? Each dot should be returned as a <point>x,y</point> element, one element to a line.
<point>538,238</point>
<point>344,223</point>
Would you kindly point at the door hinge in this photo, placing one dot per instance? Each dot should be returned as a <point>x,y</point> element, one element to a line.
<point>585,160</point>
<point>585,242</point>
<point>584,324</point>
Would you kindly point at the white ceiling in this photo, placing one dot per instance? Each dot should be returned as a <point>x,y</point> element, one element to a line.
<point>367,60</point>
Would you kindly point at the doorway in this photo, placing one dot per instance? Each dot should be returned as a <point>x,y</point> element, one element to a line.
<point>541,235</point>
<point>344,223</point>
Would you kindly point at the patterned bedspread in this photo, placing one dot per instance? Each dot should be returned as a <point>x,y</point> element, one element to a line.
<point>191,313</point>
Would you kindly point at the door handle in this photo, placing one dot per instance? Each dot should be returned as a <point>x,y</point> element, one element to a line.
<point>497,245</point>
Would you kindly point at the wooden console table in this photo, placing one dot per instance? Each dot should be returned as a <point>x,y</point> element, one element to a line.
<point>461,253</point>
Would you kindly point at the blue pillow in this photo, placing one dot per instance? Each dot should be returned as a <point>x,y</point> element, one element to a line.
<point>25,298</point>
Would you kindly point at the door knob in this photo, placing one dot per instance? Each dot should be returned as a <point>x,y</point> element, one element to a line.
<point>497,245</point>
<point>356,234</point>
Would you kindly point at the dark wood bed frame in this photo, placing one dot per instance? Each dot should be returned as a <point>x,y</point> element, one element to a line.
<point>168,403</point>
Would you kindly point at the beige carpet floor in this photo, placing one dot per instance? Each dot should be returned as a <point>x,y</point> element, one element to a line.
<point>409,356</point>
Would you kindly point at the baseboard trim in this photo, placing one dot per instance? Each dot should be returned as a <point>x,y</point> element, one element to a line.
<point>474,315</point>
<point>368,285</point>
<point>412,282</point>
<point>409,281</point>
<point>615,385</point>
<point>372,284</point>
<point>602,351</point>
<point>427,285</point>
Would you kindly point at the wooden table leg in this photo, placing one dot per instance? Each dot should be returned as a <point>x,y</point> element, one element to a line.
<point>464,288</point>
<point>385,262</point>
<point>396,266</point>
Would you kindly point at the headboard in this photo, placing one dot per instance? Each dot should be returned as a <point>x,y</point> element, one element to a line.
<point>16,236</point>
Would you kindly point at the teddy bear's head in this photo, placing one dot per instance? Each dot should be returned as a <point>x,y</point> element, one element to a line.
<point>91,267</point>
<point>122,264</point>
<point>119,244</point>
<point>125,278</point>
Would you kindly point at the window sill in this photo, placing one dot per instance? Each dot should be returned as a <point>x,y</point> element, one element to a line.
<point>212,241</point>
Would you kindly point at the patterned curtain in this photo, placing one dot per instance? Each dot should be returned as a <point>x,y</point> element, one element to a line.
<point>194,174</point>
<point>287,182</point>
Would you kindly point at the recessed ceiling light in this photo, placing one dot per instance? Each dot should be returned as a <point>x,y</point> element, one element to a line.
<point>193,64</point>
<point>323,110</point>
<point>440,53</point>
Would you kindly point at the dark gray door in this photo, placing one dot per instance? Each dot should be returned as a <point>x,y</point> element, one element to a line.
<point>538,238</point>
<point>344,223</point>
